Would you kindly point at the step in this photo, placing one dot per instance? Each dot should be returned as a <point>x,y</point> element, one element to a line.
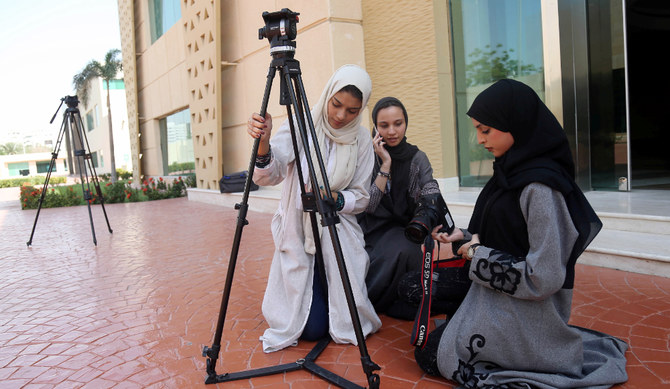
<point>637,252</point>
<point>629,242</point>
<point>264,199</point>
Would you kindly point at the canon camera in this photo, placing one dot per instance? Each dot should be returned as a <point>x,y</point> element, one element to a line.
<point>431,211</point>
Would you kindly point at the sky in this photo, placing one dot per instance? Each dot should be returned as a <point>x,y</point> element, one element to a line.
<point>43,44</point>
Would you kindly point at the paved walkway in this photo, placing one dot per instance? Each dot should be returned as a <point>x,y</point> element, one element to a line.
<point>136,310</point>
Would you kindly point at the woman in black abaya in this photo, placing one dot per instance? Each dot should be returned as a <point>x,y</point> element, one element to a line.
<point>402,175</point>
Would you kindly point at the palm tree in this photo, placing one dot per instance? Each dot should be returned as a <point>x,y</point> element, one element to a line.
<point>10,148</point>
<point>107,71</point>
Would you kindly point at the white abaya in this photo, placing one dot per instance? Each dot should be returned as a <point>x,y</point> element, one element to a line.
<point>288,295</point>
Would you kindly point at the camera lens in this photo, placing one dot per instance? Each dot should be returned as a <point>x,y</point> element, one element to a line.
<point>416,232</point>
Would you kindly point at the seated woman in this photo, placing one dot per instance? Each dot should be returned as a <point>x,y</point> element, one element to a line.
<point>402,175</point>
<point>530,224</point>
<point>296,303</point>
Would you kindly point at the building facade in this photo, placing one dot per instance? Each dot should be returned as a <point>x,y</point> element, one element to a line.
<point>33,164</point>
<point>94,116</point>
<point>197,70</point>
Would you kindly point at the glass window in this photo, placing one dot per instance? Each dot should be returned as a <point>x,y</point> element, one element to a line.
<point>43,166</point>
<point>163,14</point>
<point>493,40</point>
<point>90,120</point>
<point>93,118</point>
<point>94,159</point>
<point>18,169</point>
<point>114,84</point>
<point>177,143</point>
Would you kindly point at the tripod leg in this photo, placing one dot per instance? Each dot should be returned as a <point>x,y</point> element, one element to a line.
<point>80,155</point>
<point>212,353</point>
<point>308,204</point>
<point>94,177</point>
<point>330,218</point>
<point>54,155</point>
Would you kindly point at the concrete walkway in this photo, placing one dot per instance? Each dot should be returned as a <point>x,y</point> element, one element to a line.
<point>136,310</point>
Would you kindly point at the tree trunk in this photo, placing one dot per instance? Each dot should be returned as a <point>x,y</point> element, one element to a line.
<point>112,160</point>
<point>68,149</point>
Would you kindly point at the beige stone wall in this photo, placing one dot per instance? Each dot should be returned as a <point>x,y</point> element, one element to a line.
<point>160,83</point>
<point>202,61</point>
<point>212,62</point>
<point>127,29</point>
<point>330,34</point>
<point>408,56</point>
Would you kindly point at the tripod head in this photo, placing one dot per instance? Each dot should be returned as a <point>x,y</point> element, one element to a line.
<point>70,101</point>
<point>281,30</point>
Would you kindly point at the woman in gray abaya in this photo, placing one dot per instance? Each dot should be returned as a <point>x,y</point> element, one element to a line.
<point>530,224</point>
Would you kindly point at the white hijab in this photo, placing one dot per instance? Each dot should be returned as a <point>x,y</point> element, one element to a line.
<point>345,139</point>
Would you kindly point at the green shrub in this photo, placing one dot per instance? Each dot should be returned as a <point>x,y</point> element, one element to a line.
<point>190,181</point>
<point>124,174</point>
<point>121,174</point>
<point>115,193</point>
<point>181,167</point>
<point>32,180</point>
<point>54,197</point>
<point>119,192</point>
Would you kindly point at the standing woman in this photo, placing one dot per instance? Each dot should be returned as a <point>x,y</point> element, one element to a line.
<point>402,176</point>
<point>530,224</point>
<point>295,304</point>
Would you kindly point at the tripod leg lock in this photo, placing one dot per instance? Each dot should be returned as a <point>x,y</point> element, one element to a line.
<point>329,216</point>
<point>212,354</point>
<point>369,367</point>
<point>309,202</point>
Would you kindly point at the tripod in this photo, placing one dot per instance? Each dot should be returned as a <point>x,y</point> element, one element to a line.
<point>72,123</point>
<point>292,93</point>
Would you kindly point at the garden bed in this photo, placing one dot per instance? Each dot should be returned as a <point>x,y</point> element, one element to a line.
<point>121,191</point>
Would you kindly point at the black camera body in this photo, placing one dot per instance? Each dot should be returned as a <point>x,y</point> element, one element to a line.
<point>280,28</point>
<point>431,211</point>
<point>71,101</point>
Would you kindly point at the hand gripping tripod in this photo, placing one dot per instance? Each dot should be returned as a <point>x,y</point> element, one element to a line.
<point>72,123</point>
<point>280,29</point>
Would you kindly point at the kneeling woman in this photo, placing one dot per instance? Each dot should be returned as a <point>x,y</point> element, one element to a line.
<point>401,177</point>
<point>296,303</point>
<point>530,224</point>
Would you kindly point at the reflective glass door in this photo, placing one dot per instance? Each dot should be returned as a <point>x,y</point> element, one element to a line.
<point>492,39</point>
<point>608,129</point>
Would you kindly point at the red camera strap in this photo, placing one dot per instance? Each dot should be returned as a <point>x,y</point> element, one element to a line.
<point>422,320</point>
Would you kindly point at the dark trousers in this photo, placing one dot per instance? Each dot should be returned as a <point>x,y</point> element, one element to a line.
<point>317,321</point>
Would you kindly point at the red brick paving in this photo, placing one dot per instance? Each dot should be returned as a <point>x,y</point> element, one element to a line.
<point>136,310</point>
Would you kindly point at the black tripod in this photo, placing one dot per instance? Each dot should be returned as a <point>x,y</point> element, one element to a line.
<point>72,123</point>
<point>292,93</point>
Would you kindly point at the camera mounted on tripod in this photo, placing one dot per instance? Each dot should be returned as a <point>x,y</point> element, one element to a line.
<point>281,30</point>
<point>71,101</point>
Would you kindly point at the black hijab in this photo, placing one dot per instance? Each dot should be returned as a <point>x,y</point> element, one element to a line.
<point>540,153</point>
<point>401,156</point>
